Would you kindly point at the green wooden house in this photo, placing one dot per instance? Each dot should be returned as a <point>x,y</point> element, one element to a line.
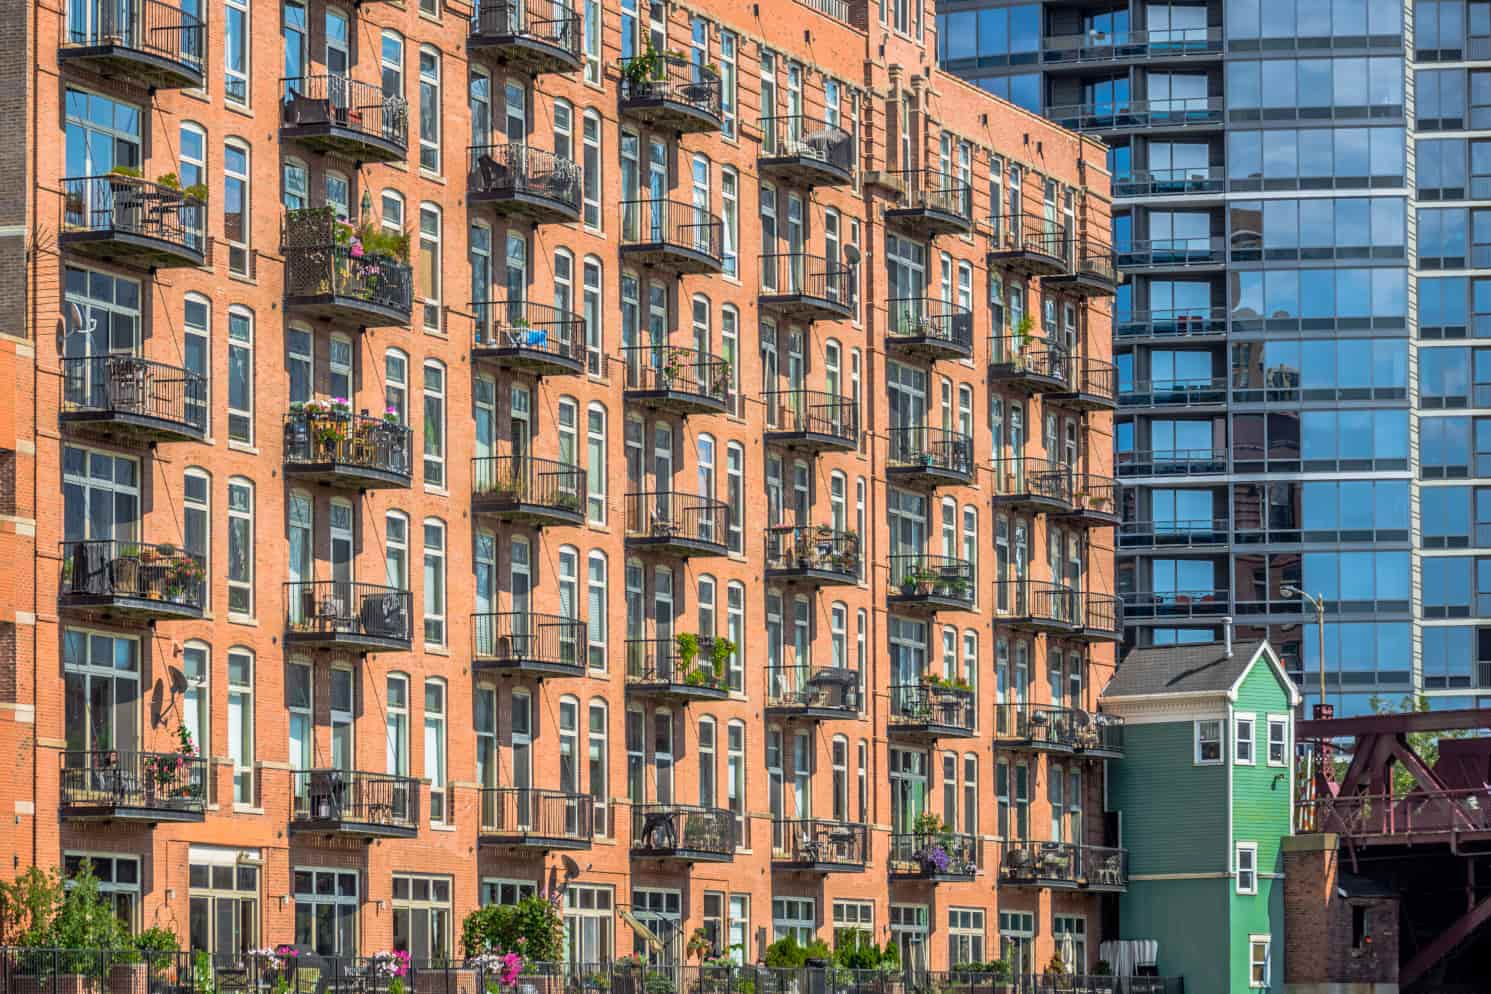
<point>1203,798</point>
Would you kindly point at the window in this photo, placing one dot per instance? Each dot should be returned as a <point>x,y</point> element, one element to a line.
<point>240,376</point>
<point>1070,932</point>
<point>421,916</point>
<point>196,524</point>
<point>591,173</point>
<point>240,546</point>
<point>588,917</point>
<point>1017,941</point>
<point>299,705</point>
<point>241,723</point>
<point>506,892</point>
<point>795,917</point>
<point>735,496</point>
<point>1208,742</point>
<point>396,549</point>
<point>429,265</point>
<point>1243,725</point>
<point>223,899</point>
<point>236,228</point>
<point>598,757</point>
<point>735,777</point>
<point>730,203</point>
<point>1258,960</point>
<point>853,923</point>
<point>596,608</point>
<point>197,356</point>
<point>434,424</point>
<point>236,52</point>
<point>1278,740</point>
<point>1247,867</point>
<point>429,109</point>
<point>965,936</point>
<point>592,29</point>
<point>434,582</point>
<point>391,63</point>
<point>708,770</point>
<point>326,909</point>
<point>595,456</point>
<point>196,700</point>
<point>595,360</point>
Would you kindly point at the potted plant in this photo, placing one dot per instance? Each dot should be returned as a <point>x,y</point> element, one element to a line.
<point>687,646</point>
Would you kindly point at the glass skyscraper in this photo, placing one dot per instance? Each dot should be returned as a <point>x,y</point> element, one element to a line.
<point>1306,276</point>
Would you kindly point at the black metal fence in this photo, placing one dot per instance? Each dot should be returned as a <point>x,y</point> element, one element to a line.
<point>658,662</point>
<point>1018,354</point>
<point>929,319</point>
<point>812,412</point>
<point>336,271</point>
<point>517,636</point>
<point>329,607</point>
<point>820,841</point>
<point>1102,612</point>
<point>934,190</point>
<point>316,437</point>
<point>1033,234</point>
<point>132,206</point>
<point>812,547</point>
<point>530,812</point>
<point>926,575</point>
<point>1059,727</point>
<point>530,327</point>
<point>666,829</point>
<point>669,515</point>
<point>785,135</point>
<point>355,797</point>
<point>657,78</point>
<point>160,29</point>
<point>96,569</point>
<point>551,24</point>
<point>1031,477</point>
<point>518,168</point>
<point>146,781</point>
<point>672,223</point>
<point>784,273</point>
<point>928,704</point>
<point>1048,863</point>
<point>677,369</point>
<point>131,386</point>
<point>927,447</point>
<point>1036,600</point>
<point>349,104</point>
<point>1094,492</point>
<point>519,480</point>
<point>824,688</point>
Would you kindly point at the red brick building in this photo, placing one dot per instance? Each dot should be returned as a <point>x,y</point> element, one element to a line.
<point>774,334</point>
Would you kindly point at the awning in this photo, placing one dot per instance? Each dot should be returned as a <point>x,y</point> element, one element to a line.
<point>643,932</point>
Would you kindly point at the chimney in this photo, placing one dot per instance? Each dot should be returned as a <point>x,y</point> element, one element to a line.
<point>1227,636</point>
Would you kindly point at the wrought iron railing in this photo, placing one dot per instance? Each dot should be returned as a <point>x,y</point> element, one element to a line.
<point>1034,234</point>
<point>1176,112</point>
<point>824,687</point>
<point>929,448</point>
<point>518,168</point>
<point>1058,727</point>
<point>1033,477</point>
<point>799,135</point>
<point>936,704</point>
<point>819,840</point>
<point>516,636</point>
<point>349,104</point>
<point>677,369</point>
<point>1036,600</point>
<point>321,260</point>
<point>935,854</point>
<point>927,318</point>
<point>322,437</point>
<point>1094,492</point>
<point>530,327</point>
<point>355,797</point>
<point>537,813</point>
<point>652,222</point>
<point>1421,813</point>
<point>921,575</point>
<point>933,190</point>
<point>549,24</point>
<point>1063,863</point>
<point>660,662</point>
<point>812,547</point>
<point>789,273</point>
<point>1095,378</point>
<point>1102,613</point>
<point>663,829</point>
<point>658,78</point>
<point>812,412</point>
<point>330,607</point>
<point>163,30</point>
<point>667,514</point>
<point>127,205</point>
<point>128,385</point>
<point>1016,355</point>
<point>108,568</point>
<point>149,781</point>
<point>517,480</point>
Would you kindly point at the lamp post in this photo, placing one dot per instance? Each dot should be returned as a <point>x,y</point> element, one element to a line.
<point>1322,710</point>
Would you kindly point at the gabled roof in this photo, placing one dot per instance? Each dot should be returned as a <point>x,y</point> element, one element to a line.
<point>1195,670</point>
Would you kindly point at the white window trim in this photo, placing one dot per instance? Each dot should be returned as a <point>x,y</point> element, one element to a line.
<point>1268,955</point>
<point>1274,721</point>
<point>1252,739</point>
<point>1252,849</point>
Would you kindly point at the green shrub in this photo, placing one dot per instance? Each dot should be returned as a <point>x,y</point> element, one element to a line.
<point>499,927</point>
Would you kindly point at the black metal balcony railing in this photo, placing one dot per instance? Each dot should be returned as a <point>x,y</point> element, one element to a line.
<point>1031,243</point>
<point>812,550</point>
<point>538,37</point>
<point>811,418</point>
<point>152,786</point>
<point>809,285</point>
<point>360,449</point>
<point>683,236</point>
<point>936,708</point>
<point>1186,391</point>
<point>671,91</point>
<point>670,518</point>
<point>1175,603</point>
<point>347,115</point>
<point>1094,268</point>
<point>518,172</point>
<point>658,665</point>
<point>347,611</point>
<point>1176,322</point>
<point>133,220</point>
<point>133,577</point>
<point>805,691</point>
<point>355,801</point>
<point>522,640</point>
<point>1093,386</point>
<point>134,395</point>
<point>528,335</point>
<point>683,831</point>
<point>1095,496</point>
<point>1041,726</point>
<point>923,448</point>
<point>934,856</point>
<point>1170,462</point>
<point>928,325</point>
<point>677,377</point>
<point>1032,365</point>
<point>817,843</point>
<point>1036,604</point>
<point>1173,533</point>
<point>931,201</point>
<point>1036,484</point>
<point>1201,250</point>
<point>1102,615</point>
<point>326,272</point>
<point>931,580</point>
<point>1104,46</point>
<point>157,42</point>
<point>1173,112</point>
<point>553,819</point>
<point>1169,182</point>
<point>807,148</point>
<point>529,488</point>
<point>1063,866</point>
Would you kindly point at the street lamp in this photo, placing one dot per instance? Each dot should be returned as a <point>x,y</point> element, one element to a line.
<point>1318,603</point>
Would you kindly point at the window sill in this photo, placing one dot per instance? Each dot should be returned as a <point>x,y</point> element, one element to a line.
<point>233,107</point>
<point>437,650</point>
<point>246,809</point>
<point>243,619</point>
<point>433,177</point>
<point>436,489</point>
<point>248,447</point>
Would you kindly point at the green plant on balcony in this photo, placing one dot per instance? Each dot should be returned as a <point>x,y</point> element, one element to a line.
<point>127,172</point>
<point>168,181</point>
<point>641,69</point>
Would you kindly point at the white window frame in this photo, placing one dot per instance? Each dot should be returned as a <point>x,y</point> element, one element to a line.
<point>1279,723</point>
<point>435,600</point>
<point>245,584</point>
<point>1245,738</point>
<point>1263,964</point>
<point>1247,879</point>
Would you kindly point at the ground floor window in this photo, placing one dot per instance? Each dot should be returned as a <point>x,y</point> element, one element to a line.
<point>661,911</point>
<point>118,881</point>
<point>421,916</point>
<point>1071,941</point>
<point>506,892</point>
<point>965,935</point>
<point>1258,960</point>
<point>1017,941</point>
<point>794,916</point>
<point>223,900</point>
<point>908,927</point>
<point>854,923</point>
<point>326,911</point>
<point>739,928</point>
<point>588,920</point>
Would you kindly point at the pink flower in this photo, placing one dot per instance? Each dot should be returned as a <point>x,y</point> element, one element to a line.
<point>356,249</point>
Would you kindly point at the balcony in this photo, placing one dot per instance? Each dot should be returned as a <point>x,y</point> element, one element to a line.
<point>806,287</point>
<point>531,338</point>
<point>1036,606</point>
<point>1173,253</point>
<point>531,818</point>
<point>1174,533</point>
<point>532,39</point>
<point>1028,244</point>
<point>1165,325</point>
<point>1185,181</point>
<point>154,44</point>
<point>1163,604</point>
<point>525,490</point>
<point>527,644</point>
<point>129,221</point>
<point>1030,366</point>
<point>1093,385</point>
<point>1068,731</point>
<point>816,845</point>
<point>925,457</point>
<point>327,443</point>
<point>676,379</point>
<point>811,421</point>
<point>1063,866</point>
<point>926,584</point>
<point>329,274</point>
<point>683,832</point>
<point>345,614</point>
<point>926,711</point>
<point>929,204</point>
<point>812,556</point>
<point>1106,46</point>
<point>132,400</point>
<point>1176,113</point>
<point>1037,486</point>
<point>928,329</point>
<point>517,181</point>
<point>1094,501</point>
<point>1187,392</point>
<point>933,857</point>
<point>671,94</point>
<point>675,524</point>
<point>1094,272</point>
<point>1170,462</point>
<point>672,236</point>
<point>805,151</point>
<point>345,117</point>
<point>148,787</point>
<point>131,581</point>
<point>1102,617</point>
<point>355,804</point>
<point>804,693</point>
<point>657,668</point>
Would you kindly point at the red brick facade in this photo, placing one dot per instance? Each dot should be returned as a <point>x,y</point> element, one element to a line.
<point>876,73</point>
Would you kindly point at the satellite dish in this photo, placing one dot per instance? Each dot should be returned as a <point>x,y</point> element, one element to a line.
<point>851,252</point>
<point>74,317</point>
